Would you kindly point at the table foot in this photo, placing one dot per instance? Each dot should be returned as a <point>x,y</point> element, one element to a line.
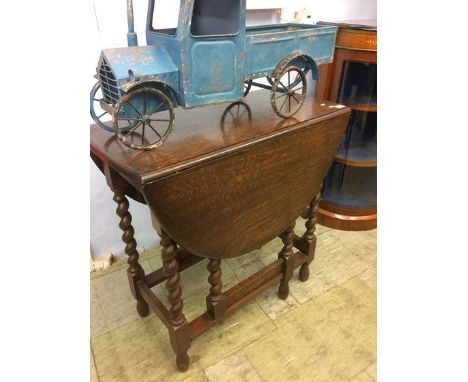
<point>304,272</point>
<point>183,361</point>
<point>283,290</point>
<point>142,308</point>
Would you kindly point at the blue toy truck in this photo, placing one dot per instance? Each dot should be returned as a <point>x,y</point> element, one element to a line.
<point>210,57</point>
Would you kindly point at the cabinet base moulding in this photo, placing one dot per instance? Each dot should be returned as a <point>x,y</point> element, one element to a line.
<point>352,220</point>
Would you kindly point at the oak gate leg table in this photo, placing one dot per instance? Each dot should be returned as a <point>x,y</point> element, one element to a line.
<point>230,179</point>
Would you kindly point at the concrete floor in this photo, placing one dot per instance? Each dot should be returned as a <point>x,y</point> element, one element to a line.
<point>324,331</point>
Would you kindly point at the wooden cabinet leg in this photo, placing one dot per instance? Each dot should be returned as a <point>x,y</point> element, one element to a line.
<point>309,236</point>
<point>213,305</point>
<point>286,254</point>
<point>180,333</point>
<point>134,272</point>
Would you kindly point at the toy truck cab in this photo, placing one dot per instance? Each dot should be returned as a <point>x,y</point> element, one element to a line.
<point>208,47</point>
<point>209,57</point>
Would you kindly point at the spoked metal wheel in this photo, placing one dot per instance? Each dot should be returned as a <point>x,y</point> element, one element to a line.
<point>305,71</point>
<point>288,91</point>
<point>247,86</point>
<point>101,112</point>
<point>153,114</point>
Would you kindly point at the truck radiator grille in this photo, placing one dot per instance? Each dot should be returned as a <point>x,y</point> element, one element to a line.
<point>109,87</point>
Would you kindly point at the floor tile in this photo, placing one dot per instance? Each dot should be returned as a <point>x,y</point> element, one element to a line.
<point>138,352</point>
<point>273,306</point>
<point>156,260</point>
<point>268,300</point>
<point>245,270</point>
<point>328,321</point>
<point>335,262</point>
<point>243,266</point>
<point>300,228</point>
<point>319,229</point>
<point>372,371</point>
<point>121,262</point>
<point>112,304</point>
<point>331,338</point>
<point>199,377</point>
<point>361,377</point>
<point>237,368</point>
<point>235,332</point>
<point>326,271</point>
<point>373,232</point>
<point>94,376</point>
<point>370,278</point>
<point>269,252</point>
<point>357,241</point>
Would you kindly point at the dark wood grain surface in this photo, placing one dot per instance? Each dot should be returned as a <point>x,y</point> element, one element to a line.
<point>199,135</point>
<point>224,190</point>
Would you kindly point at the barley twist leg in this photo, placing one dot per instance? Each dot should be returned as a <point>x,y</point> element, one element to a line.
<point>180,335</point>
<point>286,254</point>
<point>135,272</point>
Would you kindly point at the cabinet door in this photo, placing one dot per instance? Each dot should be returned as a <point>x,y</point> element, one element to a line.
<point>358,85</point>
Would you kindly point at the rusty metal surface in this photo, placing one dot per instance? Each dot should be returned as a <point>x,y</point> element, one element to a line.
<point>205,69</point>
<point>149,131</point>
<point>288,91</point>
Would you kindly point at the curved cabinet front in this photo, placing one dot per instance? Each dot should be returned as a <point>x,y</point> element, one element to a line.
<point>350,188</point>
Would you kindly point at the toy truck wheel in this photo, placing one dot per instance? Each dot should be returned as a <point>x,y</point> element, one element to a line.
<point>271,80</point>
<point>152,113</point>
<point>288,91</point>
<point>101,113</point>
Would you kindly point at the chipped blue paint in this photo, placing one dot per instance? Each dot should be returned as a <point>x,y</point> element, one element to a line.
<point>132,38</point>
<point>146,61</point>
<point>200,70</point>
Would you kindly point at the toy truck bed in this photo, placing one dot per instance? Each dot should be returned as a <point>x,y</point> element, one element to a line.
<point>267,45</point>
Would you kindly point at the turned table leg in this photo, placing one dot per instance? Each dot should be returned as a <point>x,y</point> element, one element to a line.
<point>286,254</point>
<point>180,333</point>
<point>134,272</point>
<point>213,307</point>
<point>309,236</point>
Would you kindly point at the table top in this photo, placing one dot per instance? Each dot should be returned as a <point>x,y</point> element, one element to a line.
<point>353,24</point>
<point>202,134</point>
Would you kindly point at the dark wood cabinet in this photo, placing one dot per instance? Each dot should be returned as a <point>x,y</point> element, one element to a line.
<point>349,195</point>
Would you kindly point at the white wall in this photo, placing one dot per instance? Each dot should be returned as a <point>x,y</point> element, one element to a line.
<point>334,10</point>
<point>111,15</point>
